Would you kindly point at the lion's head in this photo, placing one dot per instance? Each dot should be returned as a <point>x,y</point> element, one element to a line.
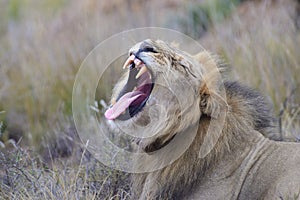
<point>164,91</point>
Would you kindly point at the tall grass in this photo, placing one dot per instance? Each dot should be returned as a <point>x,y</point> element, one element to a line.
<point>24,176</point>
<point>263,51</point>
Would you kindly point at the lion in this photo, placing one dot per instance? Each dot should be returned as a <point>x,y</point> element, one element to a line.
<point>174,95</point>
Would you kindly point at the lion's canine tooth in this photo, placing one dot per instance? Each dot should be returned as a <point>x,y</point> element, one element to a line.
<point>128,61</point>
<point>141,72</point>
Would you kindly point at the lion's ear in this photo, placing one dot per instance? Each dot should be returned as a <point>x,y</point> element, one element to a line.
<point>209,104</point>
<point>212,92</point>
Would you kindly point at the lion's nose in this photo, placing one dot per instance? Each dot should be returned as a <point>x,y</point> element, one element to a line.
<point>145,46</point>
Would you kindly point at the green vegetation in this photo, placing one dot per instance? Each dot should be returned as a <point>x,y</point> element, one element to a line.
<point>200,17</point>
<point>14,9</point>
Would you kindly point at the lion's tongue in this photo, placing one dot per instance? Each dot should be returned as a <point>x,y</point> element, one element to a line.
<point>122,104</point>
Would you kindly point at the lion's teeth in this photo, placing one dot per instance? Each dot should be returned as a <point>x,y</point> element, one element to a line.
<point>137,62</point>
<point>128,61</point>
<point>141,72</point>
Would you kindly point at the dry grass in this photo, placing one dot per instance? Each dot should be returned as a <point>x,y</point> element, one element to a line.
<point>24,176</point>
<point>43,45</point>
<point>263,50</point>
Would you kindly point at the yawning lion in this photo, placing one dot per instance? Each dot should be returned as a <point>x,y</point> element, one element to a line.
<point>171,93</point>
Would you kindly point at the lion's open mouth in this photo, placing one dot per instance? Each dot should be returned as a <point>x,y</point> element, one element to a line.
<point>135,93</point>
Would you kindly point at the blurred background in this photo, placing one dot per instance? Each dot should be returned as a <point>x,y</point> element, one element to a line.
<point>43,43</point>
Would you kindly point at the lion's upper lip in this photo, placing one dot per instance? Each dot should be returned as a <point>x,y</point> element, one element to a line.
<point>135,93</point>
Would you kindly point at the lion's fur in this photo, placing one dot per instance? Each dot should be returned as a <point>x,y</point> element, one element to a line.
<point>242,164</point>
<point>176,180</point>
